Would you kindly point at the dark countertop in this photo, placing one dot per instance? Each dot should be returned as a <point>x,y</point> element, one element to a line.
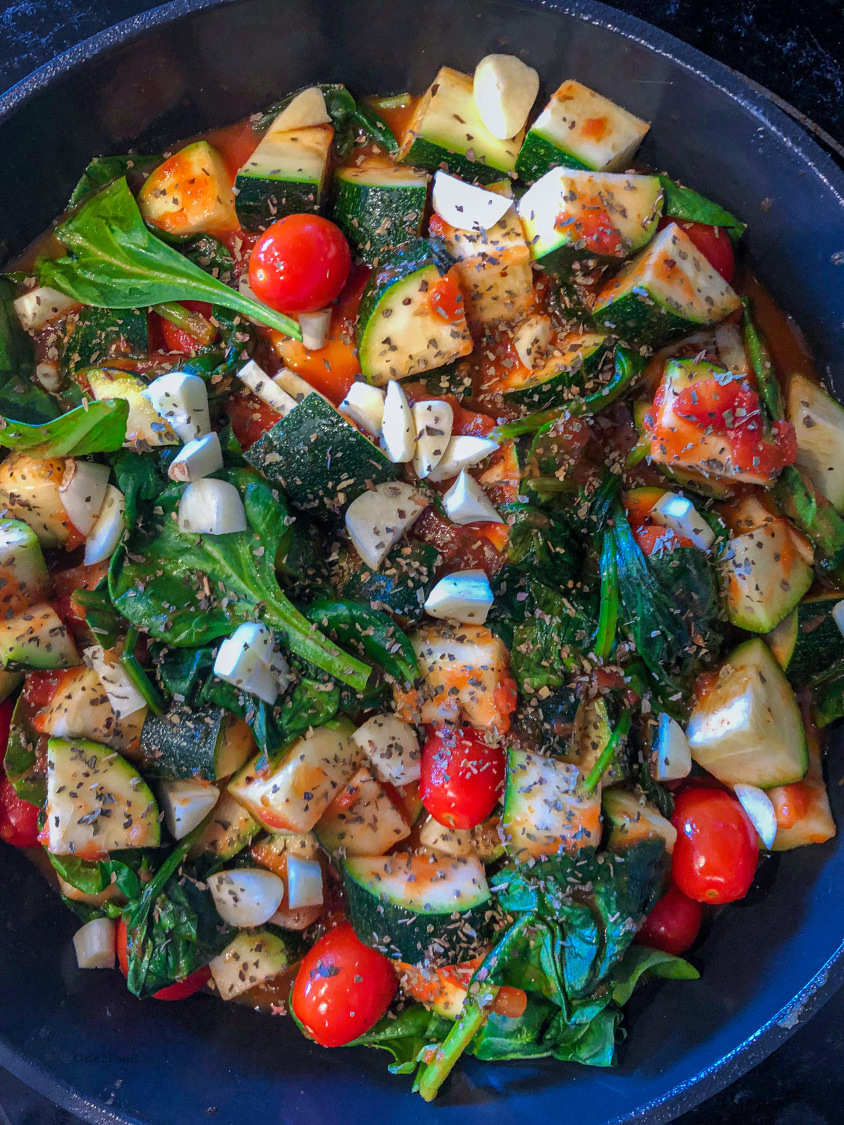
<point>797,53</point>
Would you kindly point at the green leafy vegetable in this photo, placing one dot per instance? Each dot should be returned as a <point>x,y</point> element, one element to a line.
<point>114,261</point>
<point>608,615</point>
<point>20,397</point>
<point>640,961</point>
<point>406,1036</point>
<point>138,674</point>
<point>375,128</point>
<point>104,169</point>
<point>189,589</point>
<point>376,633</point>
<point>96,427</point>
<point>607,754</point>
<point>811,512</point>
<point>683,203</point>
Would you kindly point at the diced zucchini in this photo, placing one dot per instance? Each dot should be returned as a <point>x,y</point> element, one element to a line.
<point>574,361</point>
<point>808,641</point>
<point>815,825</point>
<point>81,709</point>
<point>446,130</point>
<point>378,205</point>
<point>295,792</point>
<point>145,427</point>
<point>763,573</point>
<point>633,819</point>
<point>206,743</point>
<point>320,460</point>
<point>665,292</point>
<point>36,638</point>
<point>391,747</point>
<point>818,422</point>
<point>229,830</point>
<point>247,961</point>
<point>96,801</point>
<point>23,572</point>
<point>285,175</point>
<point>484,842</point>
<point>399,586</point>
<point>580,129</point>
<point>399,331</point>
<point>95,336</point>
<point>747,727</point>
<point>571,216</point>
<point>190,192</point>
<point>29,491</point>
<point>419,907</point>
<point>361,820</point>
<point>9,681</point>
<point>546,808</point>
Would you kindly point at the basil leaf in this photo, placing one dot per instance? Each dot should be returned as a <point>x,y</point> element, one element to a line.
<point>97,427</point>
<point>683,203</point>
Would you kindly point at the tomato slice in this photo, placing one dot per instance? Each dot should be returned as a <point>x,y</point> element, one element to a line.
<point>18,818</point>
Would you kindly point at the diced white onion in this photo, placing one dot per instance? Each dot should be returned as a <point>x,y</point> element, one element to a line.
<point>464,596</point>
<point>680,515</point>
<point>757,804</point>
<point>82,492</point>
<point>211,507</point>
<point>108,529</point>
<point>504,91</point>
<point>673,755</point>
<point>183,400</point>
<point>463,451</point>
<point>304,882</point>
<point>838,615</point>
<point>433,420</point>
<point>124,697</point>
<point>315,327</point>
<point>39,306</point>
<point>378,518</point>
<point>245,659</point>
<point>196,459</point>
<point>531,340</point>
<point>466,206</point>
<point>466,502</point>
<point>95,944</point>
<point>365,406</point>
<point>185,804</point>
<point>247,896</point>
<point>397,430</point>
<point>263,387</point>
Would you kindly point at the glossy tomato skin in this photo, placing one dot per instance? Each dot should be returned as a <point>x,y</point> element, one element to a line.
<point>18,819</point>
<point>673,924</point>
<point>462,777</point>
<point>713,242</point>
<point>342,988</point>
<point>180,989</point>
<point>715,855</point>
<point>299,264</point>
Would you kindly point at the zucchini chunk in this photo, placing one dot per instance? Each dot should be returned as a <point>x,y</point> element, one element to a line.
<point>665,292</point>
<point>229,830</point>
<point>29,491</point>
<point>361,820</point>
<point>418,908</point>
<point>575,359</point>
<point>378,206</point>
<point>145,428</point>
<point>748,728</point>
<point>814,823</point>
<point>285,174</point>
<point>546,808</point>
<point>80,708</point>
<point>206,743</point>
<point>570,216</point>
<point>446,130</point>
<point>96,336</point>
<point>320,460</point>
<point>96,801</point>
<point>23,572</point>
<point>484,842</point>
<point>764,574</point>
<point>190,192</point>
<point>36,638</point>
<point>579,129</point>
<point>818,422</point>
<point>808,641</point>
<point>633,819</point>
<point>247,961</point>
<point>400,330</point>
<point>295,792</point>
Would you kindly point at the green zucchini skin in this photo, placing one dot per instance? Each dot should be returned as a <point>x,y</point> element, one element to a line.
<point>376,218</point>
<point>549,387</point>
<point>260,202</point>
<point>320,461</point>
<point>97,335</point>
<point>538,156</point>
<point>808,642</point>
<point>184,743</point>
<point>422,153</point>
<point>400,586</point>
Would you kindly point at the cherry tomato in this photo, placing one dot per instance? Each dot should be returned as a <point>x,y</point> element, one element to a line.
<point>713,242</point>
<point>717,848</point>
<point>462,778</point>
<point>177,339</point>
<point>180,989</point>
<point>342,988</point>
<point>18,819</point>
<point>673,924</point>
<point>299,264</point>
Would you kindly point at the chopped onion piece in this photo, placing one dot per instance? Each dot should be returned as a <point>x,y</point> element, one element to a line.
<point>198,458</point>
<point>183,401</point>
<point>263,387</point>
<point>757,804</point>
<point>365,406</point>
<point>304,882</point>
<point>185,804</point>
<point>108,529</point>
<point>211,507</point>
<point>466,502</point>
<point>463,451</point>
<point>95,944</point>
<point>466,206</point>
<point>464,596</point>
<point>82,492</point>
<point>680,515</point>
<point>433,420</point>
<point>673,755</point>
<point>397,430</point>
<point>315,327</point>
<point>244,660</point>
<point>378,518</point>
<point>39,306</point>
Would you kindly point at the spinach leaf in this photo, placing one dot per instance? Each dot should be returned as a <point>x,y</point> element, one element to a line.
<point>375,128</point>
<point>640,961</point>
<point>209,253</point>
<point>141,478</point>
<point>104,169</point>
<point>114,261</point>
<point>683,203</point>
<point>551,640</point>
<point>373,631</point>
<point>185,589</point>
<point>811,512</point>
<point>124,869</point>
<point>522,1038</point>
<point>96,427</point>
<point>20,397</point>
<point>406,1036</point>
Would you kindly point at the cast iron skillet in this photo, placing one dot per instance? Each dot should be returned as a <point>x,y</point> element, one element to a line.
<point>78,1037</point>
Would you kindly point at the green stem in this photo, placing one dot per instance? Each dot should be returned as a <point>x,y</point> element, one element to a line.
<point>307,641</point>
<point>549,484</point>
<point>138,675</point>
<point>375,128</point>
<point>194,323</point>
<point>475,1013</point>
<point>763,368</point>
<point>596,773</point>
<point>608,613</point>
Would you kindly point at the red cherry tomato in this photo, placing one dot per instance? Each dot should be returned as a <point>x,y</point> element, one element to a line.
<point>18,819</point>
<point>713,242</point>
<point>342,988</point>
<point>177,339</point>
<point>180,989</point>
<point>673,924</point>
<point>462,778</point>
<point>717,848</point>
<point>299,264</point>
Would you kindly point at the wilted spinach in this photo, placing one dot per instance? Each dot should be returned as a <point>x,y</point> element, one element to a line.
<point>96,427</point>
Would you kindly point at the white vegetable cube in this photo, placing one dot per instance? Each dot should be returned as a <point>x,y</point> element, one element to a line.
<point>463,596</point>
<point>467,206</point>
<point>378,518</point>
<point>364,404</point>
<point>105,535</point>
<point>433,420</point>
<point>504,91</point>
<point>183,400</point>
<point>760,811</point>
<point>39,306</point>
<point>304,882</point>
<point>680,514</point>
<point>315,327</point>
<point>248,896</point>
<point>672,753</point>
<point>397,430</point>
<point>82,491</point>
<point>95,944</point>
<point>531,340</point>
<point>243,660</point>
<point>462,452</point>
<point>466,502</point>
<point>185,804</point>
<point>264,388</point>
<point>196,459</point>
<point>211,507</point>
<point>391,747</point>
